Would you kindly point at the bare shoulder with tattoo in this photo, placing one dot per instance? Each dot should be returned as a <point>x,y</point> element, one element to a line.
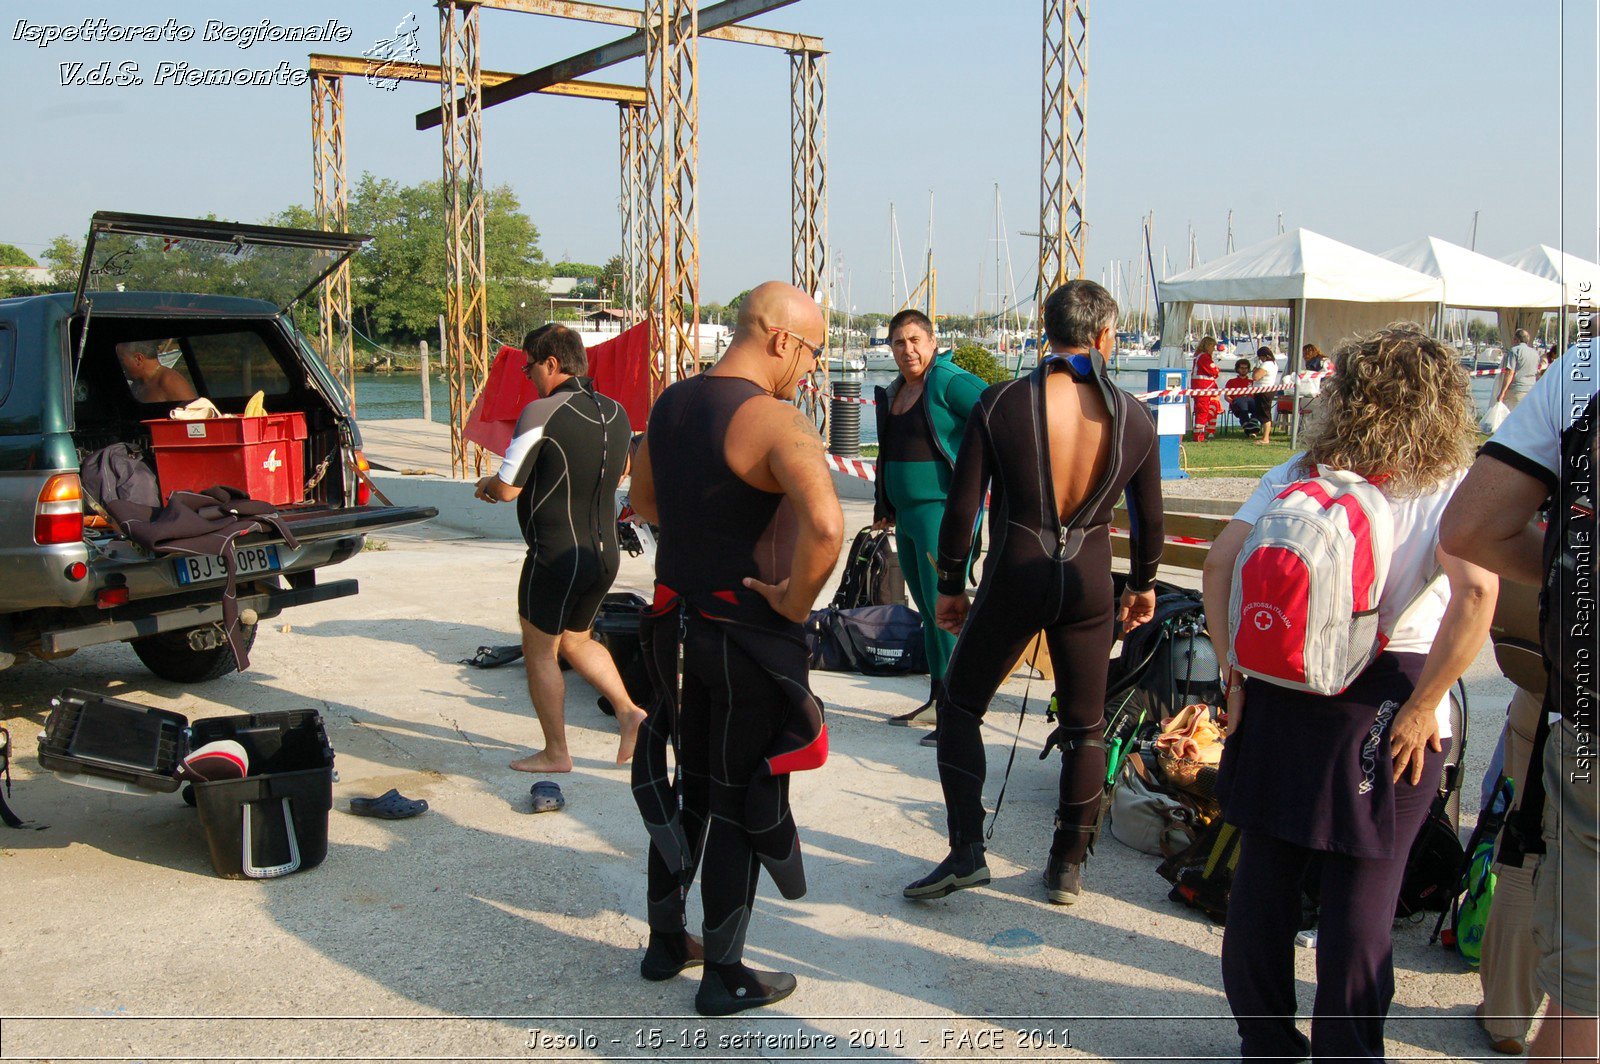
<point>767,430</point>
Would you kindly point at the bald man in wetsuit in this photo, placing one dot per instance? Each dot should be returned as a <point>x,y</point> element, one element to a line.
<point>736,478</point>
<point>1059,448</point>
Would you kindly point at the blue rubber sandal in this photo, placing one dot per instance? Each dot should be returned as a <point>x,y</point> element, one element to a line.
<point>547,797</point>
<point>390,806</point>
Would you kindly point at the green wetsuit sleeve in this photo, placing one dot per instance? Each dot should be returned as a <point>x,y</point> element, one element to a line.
<point>962,392</point>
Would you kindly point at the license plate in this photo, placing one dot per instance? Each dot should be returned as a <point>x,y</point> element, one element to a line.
<point>247,561</point>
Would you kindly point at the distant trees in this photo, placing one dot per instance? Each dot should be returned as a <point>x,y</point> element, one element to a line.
<point>981,361</point>
<point>398,281</point>
<point>11,255</point>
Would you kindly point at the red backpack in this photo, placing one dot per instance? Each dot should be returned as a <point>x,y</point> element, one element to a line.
<point>1303,612</point>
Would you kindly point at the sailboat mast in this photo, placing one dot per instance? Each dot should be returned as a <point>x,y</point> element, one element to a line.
<point>894,242</point>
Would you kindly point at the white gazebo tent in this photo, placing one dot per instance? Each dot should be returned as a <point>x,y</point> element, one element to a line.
<point>1477,282</point>
<point>1580,277</point>
<point>1332,290</point>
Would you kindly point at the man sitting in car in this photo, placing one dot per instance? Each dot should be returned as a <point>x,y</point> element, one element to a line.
<point>148,379</point>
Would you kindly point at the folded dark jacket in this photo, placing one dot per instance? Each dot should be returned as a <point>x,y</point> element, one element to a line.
<point>203,522</point>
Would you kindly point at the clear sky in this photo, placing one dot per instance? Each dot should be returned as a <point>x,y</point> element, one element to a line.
<point>1372,122</point>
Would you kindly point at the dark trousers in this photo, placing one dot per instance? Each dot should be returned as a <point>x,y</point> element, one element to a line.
<point>1355,951</point>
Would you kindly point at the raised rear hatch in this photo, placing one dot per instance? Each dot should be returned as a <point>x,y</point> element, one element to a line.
<point>150,253</point>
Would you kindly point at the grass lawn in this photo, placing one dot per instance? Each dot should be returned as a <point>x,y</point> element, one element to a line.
<point>1234,455</point>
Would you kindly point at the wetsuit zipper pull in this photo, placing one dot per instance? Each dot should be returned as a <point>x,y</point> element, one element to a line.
<point>1063,538</point>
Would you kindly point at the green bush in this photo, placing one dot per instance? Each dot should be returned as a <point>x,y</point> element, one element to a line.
<point>981,362</point>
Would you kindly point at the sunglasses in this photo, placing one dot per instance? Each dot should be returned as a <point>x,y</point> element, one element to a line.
<point>815,349</point>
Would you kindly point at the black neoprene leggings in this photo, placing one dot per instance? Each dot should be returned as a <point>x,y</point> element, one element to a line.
<point>1072,601</point>
<point>731,712</point>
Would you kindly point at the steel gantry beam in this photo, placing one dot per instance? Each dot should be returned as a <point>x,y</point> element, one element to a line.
<point>1061,164</point>
<point>631,144</point>
<point>624,16</point>
<point>396,70</point>
<point>630,47</point>
<point>466,294</point>
<point>672,135</point>
<point>330,182</point>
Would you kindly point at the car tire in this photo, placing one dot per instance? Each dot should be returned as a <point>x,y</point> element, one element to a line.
<point>170,656</point>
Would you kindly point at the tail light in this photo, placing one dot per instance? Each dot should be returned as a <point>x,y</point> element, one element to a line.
<point>58,518</point>
<point>363,485</point>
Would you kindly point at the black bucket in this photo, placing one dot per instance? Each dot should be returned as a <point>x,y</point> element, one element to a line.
<point>273,822</point>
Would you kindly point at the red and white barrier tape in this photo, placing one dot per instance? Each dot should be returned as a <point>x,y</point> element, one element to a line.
<point>1192,541</point>
<point>853,467</point>
<point>1170,393</point>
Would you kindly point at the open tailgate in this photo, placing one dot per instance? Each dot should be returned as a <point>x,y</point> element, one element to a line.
<point>321,523</point>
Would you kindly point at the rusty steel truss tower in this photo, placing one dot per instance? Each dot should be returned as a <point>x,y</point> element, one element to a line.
<point>672,168</point>
<point>466,282</point>
<point>332,198</point>
<point>658,138</point>
<point>331,204</point>
<point>1061,152</point>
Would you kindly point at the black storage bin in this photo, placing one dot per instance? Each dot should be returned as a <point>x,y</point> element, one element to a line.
<point>617,629</point>
<point>269,824</point>
<point>275,820</point>
<point>109,739</point>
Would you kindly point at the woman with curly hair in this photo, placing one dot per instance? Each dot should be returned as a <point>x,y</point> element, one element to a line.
<point>1347,779</point>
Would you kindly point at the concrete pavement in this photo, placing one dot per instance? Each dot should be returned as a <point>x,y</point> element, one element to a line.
<point>479,931</point>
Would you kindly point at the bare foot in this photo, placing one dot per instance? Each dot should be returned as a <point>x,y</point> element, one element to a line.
<point>543,761</point>
<point>629,723</point>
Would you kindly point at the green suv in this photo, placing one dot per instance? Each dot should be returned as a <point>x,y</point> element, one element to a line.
<point>167,310</point>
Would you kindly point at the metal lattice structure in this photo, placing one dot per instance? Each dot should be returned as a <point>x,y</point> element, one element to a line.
<point>808,195</point>
<point>631,143</point>
<point>331,189</point>
<point>672,128</point>
<point>1061,161</point>
<point>330,183</point>
<point>466,295</point>
<point>659,145</point>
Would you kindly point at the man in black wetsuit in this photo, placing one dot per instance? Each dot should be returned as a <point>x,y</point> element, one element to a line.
<point>1058,449</point>
<point>736,478</point>
<point>562,468</point>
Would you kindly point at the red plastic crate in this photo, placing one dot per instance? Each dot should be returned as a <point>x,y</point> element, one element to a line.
<point>264,456</point>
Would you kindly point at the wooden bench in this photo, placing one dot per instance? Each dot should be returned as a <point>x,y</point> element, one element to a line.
<point>1196,519</point>
<point>1191,519</point>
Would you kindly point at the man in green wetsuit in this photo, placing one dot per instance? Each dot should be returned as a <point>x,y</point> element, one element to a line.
<point>922,417</point>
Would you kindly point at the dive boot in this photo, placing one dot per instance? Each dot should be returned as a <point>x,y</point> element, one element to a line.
<point>1063,880</point>
<point>720,995</point>
<point>963,868</point>
<point>925,715</point>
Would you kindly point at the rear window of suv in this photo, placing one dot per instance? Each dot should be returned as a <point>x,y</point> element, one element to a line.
<point>237,365</point>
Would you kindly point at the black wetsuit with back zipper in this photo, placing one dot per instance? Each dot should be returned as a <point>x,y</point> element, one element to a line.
<point>1046,573</point>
